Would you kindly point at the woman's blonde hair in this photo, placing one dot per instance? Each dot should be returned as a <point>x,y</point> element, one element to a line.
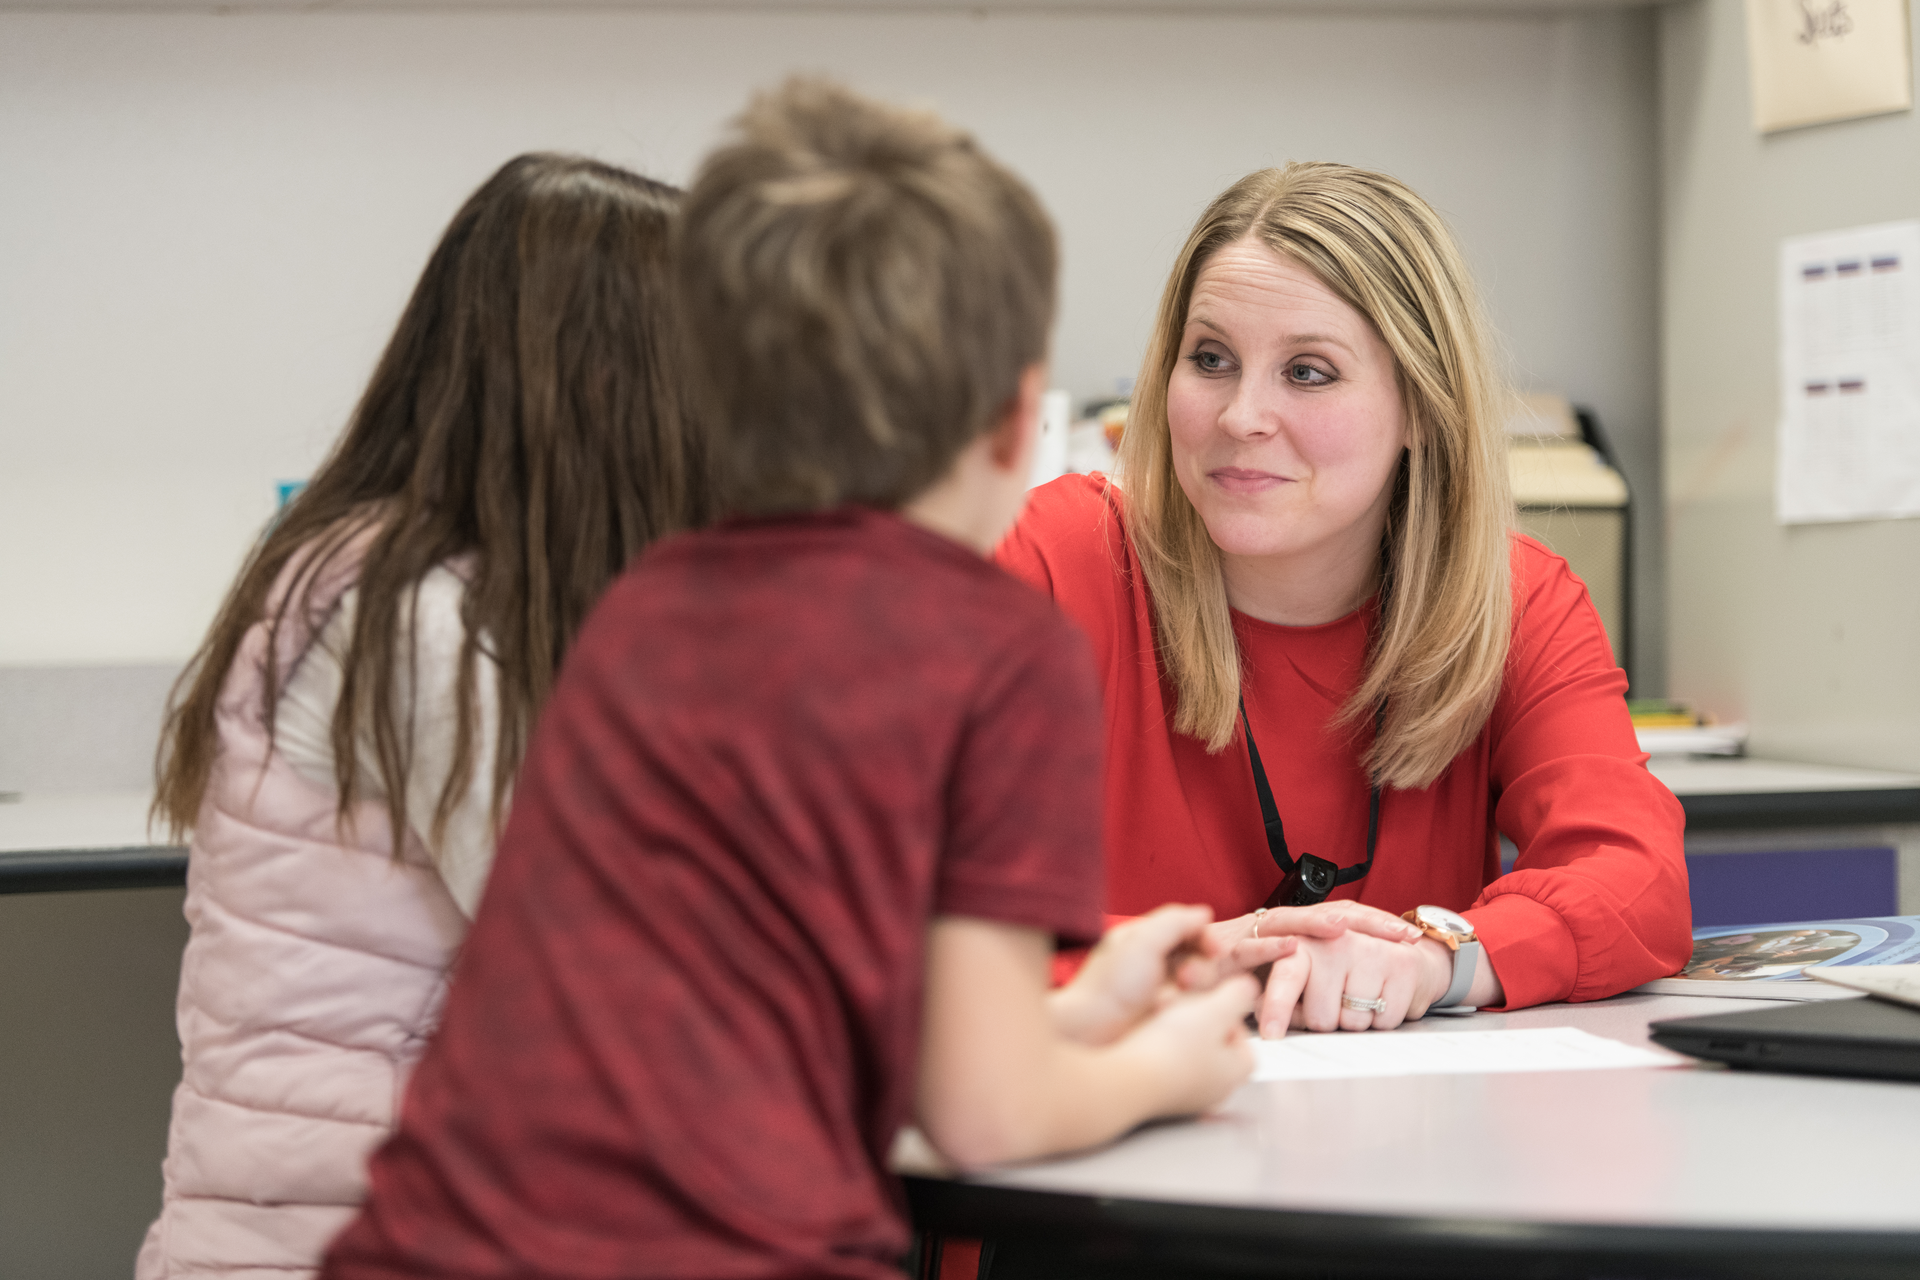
<point>1446,604</point>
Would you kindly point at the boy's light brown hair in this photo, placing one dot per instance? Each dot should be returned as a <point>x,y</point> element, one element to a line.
<point>862,287</point>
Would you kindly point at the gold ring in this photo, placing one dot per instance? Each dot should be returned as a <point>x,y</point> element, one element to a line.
<point>1376,1005</point>
<point>1256,921</point>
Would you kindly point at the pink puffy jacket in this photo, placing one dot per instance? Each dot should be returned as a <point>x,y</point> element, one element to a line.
<point>315,972</point>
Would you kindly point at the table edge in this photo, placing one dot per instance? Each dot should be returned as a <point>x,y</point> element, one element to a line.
<point>63,870</point>
<point>1730,810</point>
<point>1236,1238</point>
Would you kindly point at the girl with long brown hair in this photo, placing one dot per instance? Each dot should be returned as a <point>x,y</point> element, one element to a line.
<point>343,744</point>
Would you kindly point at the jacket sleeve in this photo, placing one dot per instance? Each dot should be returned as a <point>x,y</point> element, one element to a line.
<point>1597,901</point>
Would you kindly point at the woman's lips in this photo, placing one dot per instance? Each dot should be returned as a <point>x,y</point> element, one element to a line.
<point>1244,480</point>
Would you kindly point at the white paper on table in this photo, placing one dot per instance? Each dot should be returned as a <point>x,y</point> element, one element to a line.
<point>1850,375</point>
<point>1348,1054</point>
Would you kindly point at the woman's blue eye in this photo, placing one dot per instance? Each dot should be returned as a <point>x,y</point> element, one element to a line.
<point>1309,374</point>
<point>1207,361</point>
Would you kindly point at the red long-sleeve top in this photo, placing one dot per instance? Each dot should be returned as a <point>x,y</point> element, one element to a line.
<point>1597,901</point>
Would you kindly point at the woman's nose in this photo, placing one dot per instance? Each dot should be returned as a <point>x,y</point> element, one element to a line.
<point>1251,413</point>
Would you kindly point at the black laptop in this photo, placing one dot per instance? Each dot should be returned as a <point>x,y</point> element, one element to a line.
<point>1864,1037</point>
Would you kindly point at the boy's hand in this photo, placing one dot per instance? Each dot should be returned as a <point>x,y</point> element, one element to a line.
<point>1143,964</point>
<point>1196,1046</point>
<point>998,1081</point>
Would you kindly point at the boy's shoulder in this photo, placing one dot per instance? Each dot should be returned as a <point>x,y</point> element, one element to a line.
<point>849,550</point>
<point>831,591</point>
<point>848,531</point>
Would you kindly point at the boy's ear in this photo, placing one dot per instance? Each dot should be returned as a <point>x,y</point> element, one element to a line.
<point>1013,438</point>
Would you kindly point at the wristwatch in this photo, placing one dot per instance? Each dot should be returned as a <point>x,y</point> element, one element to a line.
<point>1454,932</point>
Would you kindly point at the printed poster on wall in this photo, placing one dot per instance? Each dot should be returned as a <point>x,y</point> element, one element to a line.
<point>1850,375</point>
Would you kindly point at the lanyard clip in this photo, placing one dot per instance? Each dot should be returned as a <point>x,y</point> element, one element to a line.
<point>1310,881</point>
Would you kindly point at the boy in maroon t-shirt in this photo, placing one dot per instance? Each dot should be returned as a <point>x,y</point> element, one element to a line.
<point>817,790</point>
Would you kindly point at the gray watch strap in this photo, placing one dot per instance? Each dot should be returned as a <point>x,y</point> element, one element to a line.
<point>1466,958</point>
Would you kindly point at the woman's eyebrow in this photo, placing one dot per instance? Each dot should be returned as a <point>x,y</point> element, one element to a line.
<point>1291,340</point>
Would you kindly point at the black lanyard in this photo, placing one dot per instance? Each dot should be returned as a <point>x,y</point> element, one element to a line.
<point>1308,879</point>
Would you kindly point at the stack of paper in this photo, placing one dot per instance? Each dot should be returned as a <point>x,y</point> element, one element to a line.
<point>1348,1054</point>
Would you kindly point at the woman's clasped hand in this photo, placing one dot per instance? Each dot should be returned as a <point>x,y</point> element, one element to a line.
<point>1347,958</point>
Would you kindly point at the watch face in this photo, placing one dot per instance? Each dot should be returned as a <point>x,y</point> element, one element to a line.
<point>1445,921</point>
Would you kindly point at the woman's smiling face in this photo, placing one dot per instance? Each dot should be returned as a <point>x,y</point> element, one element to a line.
<point>1286,419</point>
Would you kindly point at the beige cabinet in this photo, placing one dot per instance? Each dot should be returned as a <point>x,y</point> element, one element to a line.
<point>1572,499</point>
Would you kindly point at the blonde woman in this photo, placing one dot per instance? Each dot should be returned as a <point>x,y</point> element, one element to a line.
<point>1331,669</point>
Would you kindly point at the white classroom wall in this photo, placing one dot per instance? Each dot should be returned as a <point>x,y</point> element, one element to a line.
<point>1811,633</point>
<point>208,222</point>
